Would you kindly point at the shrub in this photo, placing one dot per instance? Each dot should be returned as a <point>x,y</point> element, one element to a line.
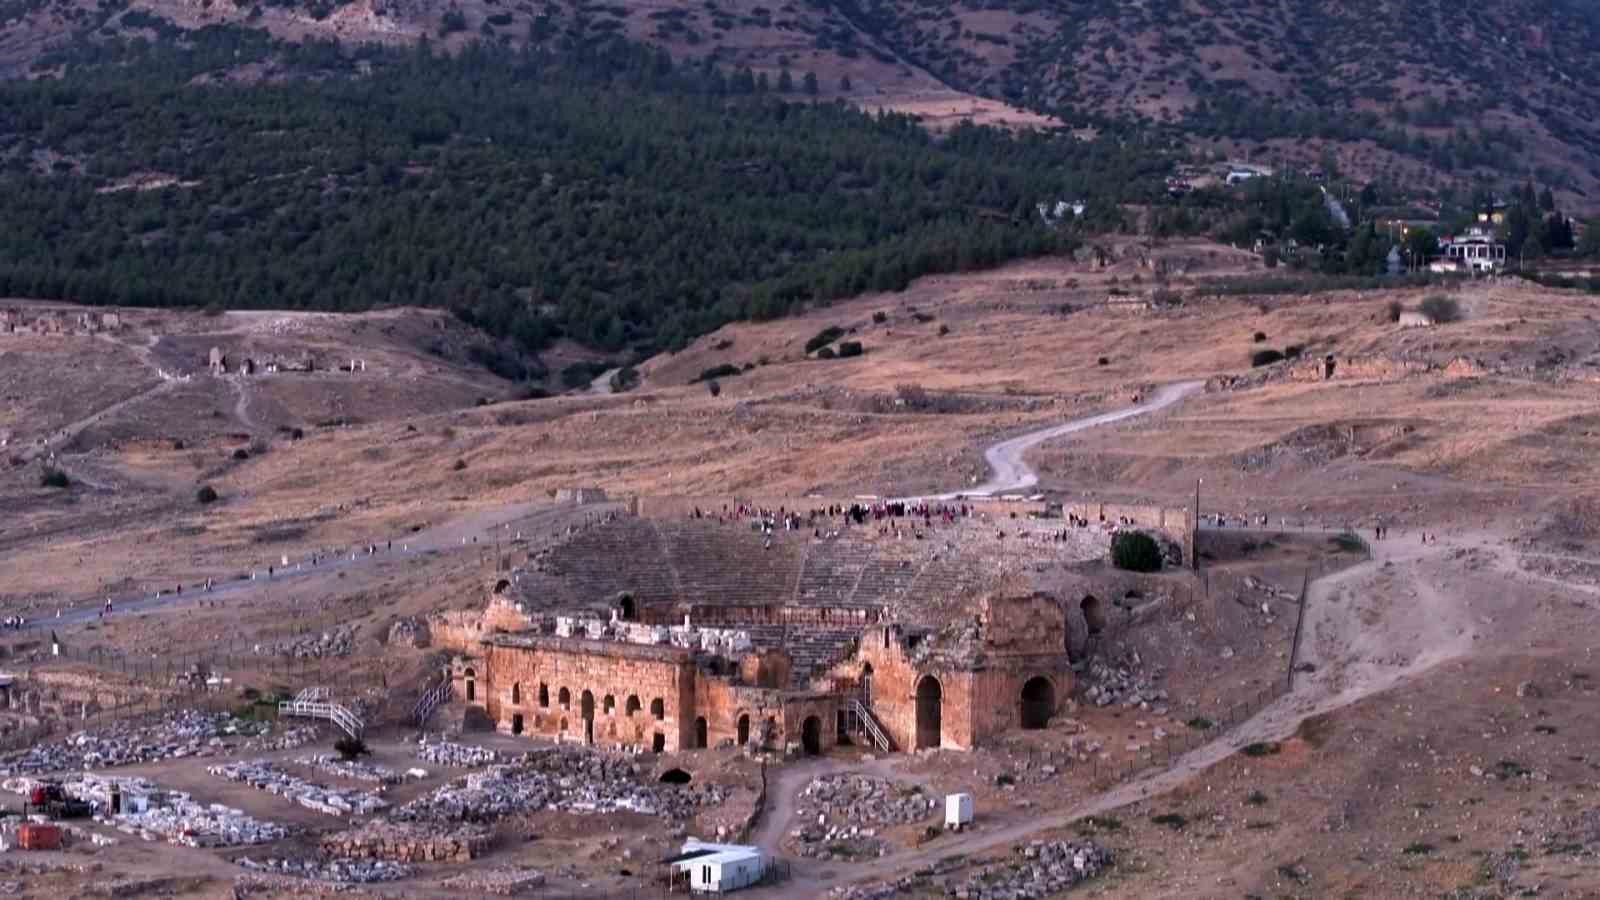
<point>1256,798</point>
<point>1135,551</point>
<point>625,379</point>
<point>349,748</point>
<point>54,478</point>
<point>1171,820</point>
<point>206,494</point>
<point>850,348</point>
<point>1394,310</point>
<point>1268,748</point>
<point>826,353</point>
<point>823,338</point>
<point>1265,357</point>
<point>1292,351</point>
<point>1260,336</point>
<point>943,329</point>
<point>880,317</point>
<point>1441,309</point>
<point>714,387</point>
<point>296,434</point>
<point>1200,723</point>
<point>460,464</point>
<point>726,370</point>
<point>241,453</point>
<point>1104,361</point>
<point>177,445</point>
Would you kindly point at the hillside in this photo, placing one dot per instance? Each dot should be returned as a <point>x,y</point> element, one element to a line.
<point>1414,93</point>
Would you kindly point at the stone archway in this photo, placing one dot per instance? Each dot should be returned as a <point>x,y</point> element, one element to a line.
<point>472,684</point>
<point>629,611</point>
<point>586,710</point>
<point>811,736</point>
<point>516,723</point>
<point>516,693</point>
<point>1094,617</point>
<point>658,744</point>
<point>866,685</point>
<point>930,712</point>
<point>701,735</point>
<point>743,729</point>
<point>1038,702</point>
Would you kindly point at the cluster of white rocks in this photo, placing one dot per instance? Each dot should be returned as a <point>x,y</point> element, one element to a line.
<point>264,776</point>
<point>337,871</point>
<point>448,753</point>
<point>175,735</point>
<point>1038,869</point>
<point>153,814</point>
<point>354,769</point>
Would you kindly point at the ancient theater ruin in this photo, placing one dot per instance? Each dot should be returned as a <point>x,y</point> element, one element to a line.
<point>675,625</point>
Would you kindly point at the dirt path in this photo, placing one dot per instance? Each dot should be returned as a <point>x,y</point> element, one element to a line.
<point>241,406</point>
<point>1011,472</point>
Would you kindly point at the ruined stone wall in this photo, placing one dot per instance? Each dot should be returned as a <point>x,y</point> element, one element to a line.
<point>823,708</point>
<point>894,680</point>
<point>623,682</point>
<point>733,615</point>
<point>1360,367</point>
<point>1033,624</point>
<point>456,630</point>
<point>1174,522</point>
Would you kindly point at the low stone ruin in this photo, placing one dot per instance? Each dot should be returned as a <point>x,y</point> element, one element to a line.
<point>175,735</point>
<point>340,641</point>
<point>1120,681</point>
<point>353,769</point>
<point>448,753</point>
<point>407,843</point>
<point>843,813</point>
<point>508,882</point>
<point>265,776</point>
<point>152,814</point>
<point>292,738</point>
<point>1037,869</point>
<point>337,871</point>
<point>557,779</point>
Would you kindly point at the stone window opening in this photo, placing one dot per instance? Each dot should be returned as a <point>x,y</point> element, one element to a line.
<point>632,705</point>
<point>544,694</point>
<point>608,705</point>
<point>564,698</point>
<point>516,693</point>
<point>658,709</point>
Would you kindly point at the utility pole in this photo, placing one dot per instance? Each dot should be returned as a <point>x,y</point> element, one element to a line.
<point>1195,560</point>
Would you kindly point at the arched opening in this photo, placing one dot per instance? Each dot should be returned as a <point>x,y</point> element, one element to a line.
<point>841,727</point>
<point>930,712</point>
<point>516,693</point>
<point>472,684</point>
<point>866,685</point>
<point>1038,702</point>
<point>629,610</point>
<point>811,736</point>
<point>501,585</point>
<point>744,729</point>
<point>658,709</point>
<point>701,733</point>
<point>564,697</point>
<point>544,694</point>
<point>1094,618</point>
<point>516,723</point>
<point>658,744</point>
<point>586,710</point>
<point>632,705</point>
<point>675,776</point>
<point>769,730</point>
<point>608,705</point>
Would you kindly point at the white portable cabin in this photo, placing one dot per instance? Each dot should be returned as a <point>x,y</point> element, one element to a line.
<point>957,811</point>
<point>719,868</point>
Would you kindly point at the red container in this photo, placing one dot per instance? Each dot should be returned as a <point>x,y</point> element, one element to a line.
<point>33,836</point>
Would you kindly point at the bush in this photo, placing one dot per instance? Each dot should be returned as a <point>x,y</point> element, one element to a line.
<point>849,349</point>
<point>943,329</point>
<point>826,353</point>
<point>241,454</point>
<point>54,478</point>
<point>1260,336</point>
<point>206,494</point>
<point>1292,351</point>
<point>1265,357</point>
<point>1136,551</point>
<point>823,338</point>
<point>1103,361</point>
<point>726,370</point>
<point>880,317</point>
<point>349,748</point>
<point>1394,310</point>
<point>1441,309</point>
<point>625,379</point>
<point>459,465</point>
<point>296,434</point>
<point>714,387</point>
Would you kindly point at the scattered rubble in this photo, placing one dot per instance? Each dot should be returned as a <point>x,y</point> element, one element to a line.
<point>152,814</point>
<point>1039,869</point>
<point>448,753</point>
<point>1119,681</point>
<point>264,776</point>
<point>841,812</point>
<point>339,642</point>
<point>292,738</point>
<point>557,779</point>
<point>175,735</point>
<point>500,882</point>
<point>335,871</point>
<point>352,769</point>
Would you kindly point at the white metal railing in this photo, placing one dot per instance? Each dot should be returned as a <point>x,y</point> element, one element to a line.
<point>865,715</point>
<point>332,712</point>
<point>430,701</point>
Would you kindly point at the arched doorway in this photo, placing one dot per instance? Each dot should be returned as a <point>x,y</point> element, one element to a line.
<point>516,723</point>
<point>1094,618</point>
<point>811,736</point>
<point>586,705</point>
<point>701,735</point>
<point>658,743</point>
<point>744,729</point>
<point>866,685</point>
<point>658,709</point>
<point>632,706</point>
<point>516,693</point>
<point>564,697</point>
<point>930,712</point>
<point>629,610</point>
<point>1038,702</point>
<point>472,684</point>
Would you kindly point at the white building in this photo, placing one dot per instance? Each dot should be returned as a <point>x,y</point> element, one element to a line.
<point>719,868</point>
<point>1477,251</point>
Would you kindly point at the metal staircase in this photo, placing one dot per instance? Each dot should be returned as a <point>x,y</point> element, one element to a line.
<point>430,701</point>
<point>870,724</point>
<point>313,703</point>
